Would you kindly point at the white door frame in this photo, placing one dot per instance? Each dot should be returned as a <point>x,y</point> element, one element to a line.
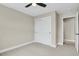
<point>63,27</point>
<point>76,24</point>
<point>77,32</point>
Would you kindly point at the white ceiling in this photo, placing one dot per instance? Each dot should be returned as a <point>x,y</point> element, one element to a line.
<point>37,10</point>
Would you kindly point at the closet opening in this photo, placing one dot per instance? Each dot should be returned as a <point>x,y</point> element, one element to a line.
<point>69,31</point>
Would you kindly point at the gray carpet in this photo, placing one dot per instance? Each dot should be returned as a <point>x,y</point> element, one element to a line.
<point>37,49</point>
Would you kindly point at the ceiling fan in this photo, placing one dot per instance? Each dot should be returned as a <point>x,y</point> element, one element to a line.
<point>34,4</point>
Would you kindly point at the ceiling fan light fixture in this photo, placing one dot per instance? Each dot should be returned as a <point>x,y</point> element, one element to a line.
<point>33,4</point>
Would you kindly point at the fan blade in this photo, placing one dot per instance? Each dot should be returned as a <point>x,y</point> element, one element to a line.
<point>28,5</point>
<point>41,4</point>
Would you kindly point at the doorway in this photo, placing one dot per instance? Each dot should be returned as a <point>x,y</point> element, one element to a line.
<point>69,30</point>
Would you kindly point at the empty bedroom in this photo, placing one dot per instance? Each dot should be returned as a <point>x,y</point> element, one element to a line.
<point>39,29</point>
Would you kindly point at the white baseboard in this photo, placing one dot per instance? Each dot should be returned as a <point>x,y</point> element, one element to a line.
<point>60,43</point>
<point>70,41</point>
<point>14,47</point>
<point>54,46</point>
<point>21,45</point>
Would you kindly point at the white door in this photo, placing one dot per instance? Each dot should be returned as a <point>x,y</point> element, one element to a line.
<point>76,32</point>
<point>43,30</point>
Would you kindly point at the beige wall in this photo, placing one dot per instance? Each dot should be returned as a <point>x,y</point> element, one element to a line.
<point>15,27</point>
